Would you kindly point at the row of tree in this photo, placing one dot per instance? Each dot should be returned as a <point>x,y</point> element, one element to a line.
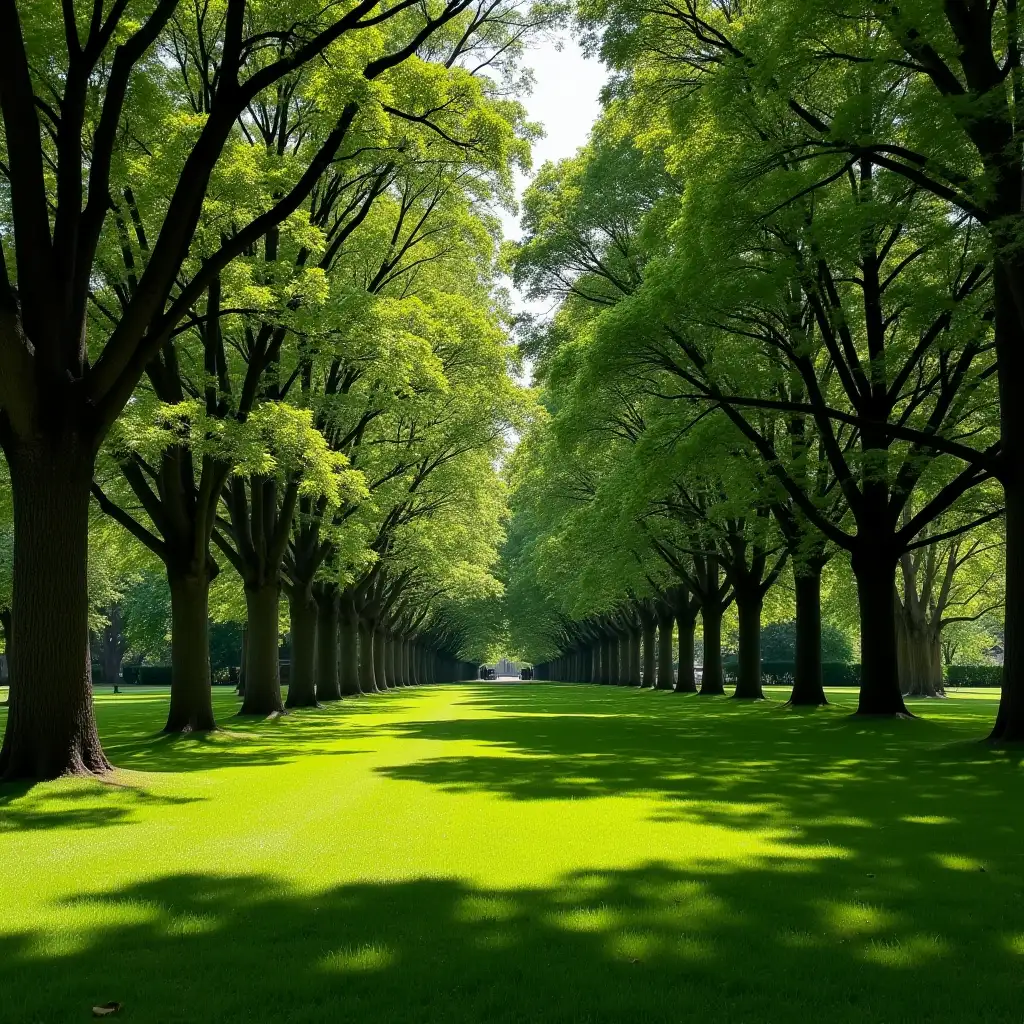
<point>785,345</point>
<point>248,312</point>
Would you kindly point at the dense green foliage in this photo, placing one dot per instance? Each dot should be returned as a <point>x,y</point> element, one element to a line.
<point>776,374</point>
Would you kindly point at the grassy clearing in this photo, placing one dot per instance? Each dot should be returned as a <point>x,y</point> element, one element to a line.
<point>523,853</point>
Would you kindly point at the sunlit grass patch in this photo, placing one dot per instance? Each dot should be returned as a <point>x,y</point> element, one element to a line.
<point>370,957</point>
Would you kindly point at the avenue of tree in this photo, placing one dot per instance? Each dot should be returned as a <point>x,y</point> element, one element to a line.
<point>781,373</point>
<point>249,315</point>
<point>256,368</point>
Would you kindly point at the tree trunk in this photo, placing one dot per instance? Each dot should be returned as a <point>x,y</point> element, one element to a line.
<point>51,728</point>
<point>634,657</point>
<point>620,656</point>
<point>403,662</point>
<point>807,684</point>
<point>1009,341</point>
<point>876,595</point>
<point>379,666</point>
<point>687,675</point>
<point>712,680</point>
<point>918,657</point>
<point>191,707</point>
<point>262,662</point>
<point>328,680</point>
<point>649,655</point>
<point>748,678</point>
<point>302,679</point>
<point>665,679</point>
<point>390,671</point>
<point>367,676</point>
<point>348,635</point>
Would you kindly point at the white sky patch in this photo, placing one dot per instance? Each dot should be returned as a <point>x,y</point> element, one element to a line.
<point>566,101</point>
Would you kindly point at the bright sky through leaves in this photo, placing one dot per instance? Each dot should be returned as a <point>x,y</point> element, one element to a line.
<point>565,100</point>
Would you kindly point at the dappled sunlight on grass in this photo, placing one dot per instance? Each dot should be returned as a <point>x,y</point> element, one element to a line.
<point>511,853</point>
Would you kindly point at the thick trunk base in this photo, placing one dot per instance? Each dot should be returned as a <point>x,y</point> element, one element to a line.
<point>348,648</point>
<point>191,707</point>
<point>301,680</point>
<point>712,679</point>
<point>808,690</point>
<point>262,662</point>
<point>880,693</point>
<point>367,674</point>
<point>328,678</point>
<point>686,681</point>
<point>748,678</point>
<point>51,728</point>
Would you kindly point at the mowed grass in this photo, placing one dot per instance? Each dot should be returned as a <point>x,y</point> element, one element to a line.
<point>524,853</point>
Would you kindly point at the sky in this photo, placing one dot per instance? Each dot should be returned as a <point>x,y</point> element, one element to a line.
<point>565,100</point>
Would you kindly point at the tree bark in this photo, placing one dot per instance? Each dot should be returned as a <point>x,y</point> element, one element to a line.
<point>263,661</point>
<point>649,653</point>
<point>1009,724</point>
<point>390,672</point>
<point>665,680</point>
<point>367,676</point>
<point>348,636</point>
<point>918,657</point>
<point>1009,342</point>
<point>807,684</point>
<point>191,708</point>
<point>302,679</point>
<point>686,681</point>
<point>634,657</point>
<point>619,657</point>
<point>328,679</point>
<point>712,680</point>
<point>51,728</point>
<point>876,596</point>
<point>748,678</point>
<point>379,660</point>
<point>403,661</point>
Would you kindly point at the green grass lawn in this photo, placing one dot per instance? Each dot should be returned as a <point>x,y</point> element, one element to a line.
<point>524,853</point>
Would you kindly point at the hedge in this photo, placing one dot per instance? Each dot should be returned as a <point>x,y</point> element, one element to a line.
<point>836,673</point>
<point>147,675</point>
<point>160,675</point>
<point>780,673</point>
<point>974,675</point>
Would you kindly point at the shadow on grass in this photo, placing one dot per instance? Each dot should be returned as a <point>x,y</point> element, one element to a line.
<point>80,806</point>
<point>128,729</point>
<point>655,943</point>
<point>893,794</point>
